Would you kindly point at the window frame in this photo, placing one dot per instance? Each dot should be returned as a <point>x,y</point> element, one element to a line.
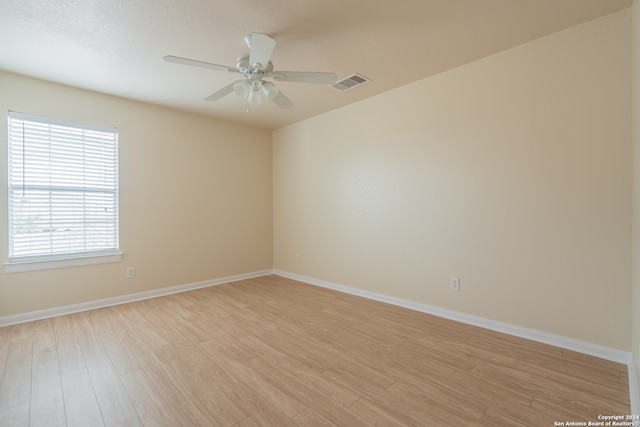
<point>56,258</point>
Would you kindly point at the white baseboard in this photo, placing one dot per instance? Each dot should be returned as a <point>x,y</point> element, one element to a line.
<point>634,394</point>
<point>123,299</point>
<point>591,349</point>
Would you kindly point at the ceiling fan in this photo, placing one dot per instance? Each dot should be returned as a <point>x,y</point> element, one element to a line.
<point>256,67</point>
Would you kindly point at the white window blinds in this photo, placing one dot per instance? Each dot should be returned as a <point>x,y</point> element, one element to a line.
<point>63,189</point>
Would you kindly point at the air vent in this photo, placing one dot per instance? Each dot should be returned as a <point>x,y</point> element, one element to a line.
<point>350,82</point>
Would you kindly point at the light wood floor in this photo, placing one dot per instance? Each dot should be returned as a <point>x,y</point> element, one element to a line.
<point>275,352</point>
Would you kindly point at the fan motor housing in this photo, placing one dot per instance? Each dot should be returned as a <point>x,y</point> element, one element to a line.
<point>247,69</point>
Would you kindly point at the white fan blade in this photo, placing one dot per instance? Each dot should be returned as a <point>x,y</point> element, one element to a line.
<point>200,64</point>
<point>305,77</point>
<point>260,50</point>
<point>219,94</point>
<point>282,101</point>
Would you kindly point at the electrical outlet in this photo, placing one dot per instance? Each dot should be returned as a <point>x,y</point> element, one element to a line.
<point>454,283</point>
<point>131,272</point>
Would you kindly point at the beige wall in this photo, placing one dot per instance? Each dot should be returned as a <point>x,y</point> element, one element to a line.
<point>195,198</point>
<point>636,191</point>
<point>511,172</point>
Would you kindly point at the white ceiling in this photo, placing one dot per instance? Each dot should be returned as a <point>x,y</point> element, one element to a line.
<point>116,46</point>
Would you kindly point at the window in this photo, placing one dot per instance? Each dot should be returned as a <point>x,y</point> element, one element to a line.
<point>63,193</point>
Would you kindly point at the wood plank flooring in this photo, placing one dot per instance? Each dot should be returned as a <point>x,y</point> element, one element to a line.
<point>274,352</point>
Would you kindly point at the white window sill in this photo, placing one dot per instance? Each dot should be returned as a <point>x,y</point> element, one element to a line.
<point>48,264</point>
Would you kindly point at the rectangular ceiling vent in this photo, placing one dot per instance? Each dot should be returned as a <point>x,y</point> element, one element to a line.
<point>350,82</point>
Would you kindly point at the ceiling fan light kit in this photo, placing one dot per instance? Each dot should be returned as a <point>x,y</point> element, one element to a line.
<point>256,67</point>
